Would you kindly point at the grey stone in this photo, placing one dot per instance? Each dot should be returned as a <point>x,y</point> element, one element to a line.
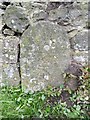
<point>81,57</point>
<point>8,32</point>
<point>74,13</point>
<point>74,69</point>
<point>10,75</point>
<point>35,11</point>
<point>79,14</point>
<point>33,5</point>
<point>10,49</point>
<point>1,12</point>
<point>53,5</point>
<point>15,18</point>
<point>80,41</point>
<point>45,53</point>
<point>1,24</point>
<point>39,15</point>
<point>80,21</point>
<point>59,13</point>
<point>72,83</point>
<point>4,1</point>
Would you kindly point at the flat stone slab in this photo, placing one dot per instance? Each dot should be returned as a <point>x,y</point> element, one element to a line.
<point>45,54</point>
<point>15,18</point>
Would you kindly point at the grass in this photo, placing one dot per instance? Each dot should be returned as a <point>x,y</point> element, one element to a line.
<point>45,104</point>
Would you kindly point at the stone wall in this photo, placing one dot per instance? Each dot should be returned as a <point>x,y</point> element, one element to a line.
<point>40,40</point>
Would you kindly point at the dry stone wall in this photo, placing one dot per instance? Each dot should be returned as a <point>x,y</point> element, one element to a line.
<point>39,40</point>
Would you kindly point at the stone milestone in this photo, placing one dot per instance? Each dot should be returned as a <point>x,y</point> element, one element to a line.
<point>45,54</point>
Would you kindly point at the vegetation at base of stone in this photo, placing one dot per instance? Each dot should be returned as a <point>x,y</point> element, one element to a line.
<point>47,103</point>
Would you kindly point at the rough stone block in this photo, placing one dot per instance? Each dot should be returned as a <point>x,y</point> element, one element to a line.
<point>10,49</point>
<point>45,54</point>
<point>81,57</point>
<point>80,41</point>
<point>9,73</point>
<point>15,18</point>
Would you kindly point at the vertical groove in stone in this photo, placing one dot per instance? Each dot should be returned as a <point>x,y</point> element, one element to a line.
<point>18,62</point>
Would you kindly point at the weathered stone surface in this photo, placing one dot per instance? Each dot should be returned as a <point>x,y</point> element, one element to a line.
<point>15,18</point>
<point>81,57</point>
<point>45,54</point>
<point>8,32</point>
<point>34,5</point>
<point>59,13</point>
<point>80,41</point>
<point>74,69</point>
<point>42,60</point>
<point>35,11</point>
<point>39,15</point>
<point>1,12</point>
<point>74,13</point>
<point>10,74</point>
<point>53,5</point>
<point>10,49</point>
<point>72,83</point>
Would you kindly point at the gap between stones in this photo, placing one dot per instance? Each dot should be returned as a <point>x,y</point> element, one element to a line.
<point>19,67</point>
<point>18,57</point>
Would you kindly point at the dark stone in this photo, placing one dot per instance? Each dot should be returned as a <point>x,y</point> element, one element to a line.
<point>65,97</point>
<point>74,69</point>
<point>72,83</point>
<point>52,5</point>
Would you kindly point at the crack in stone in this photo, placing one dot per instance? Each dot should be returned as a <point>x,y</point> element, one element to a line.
<point>19,68</point>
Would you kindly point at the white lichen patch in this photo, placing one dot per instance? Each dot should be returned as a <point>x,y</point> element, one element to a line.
<point>53,47</point>
<point>79,58</point>
<point>46,77</point>
<point>6,44</point>
<point>11,72</point>
<point>50,43</point>
<point>12,21</point>
<point>55,57</point>
<point>33,79</point>
<point>6,55</point>
<point>2,84</point>
<point>11,57</point>
<point>54,40</point>
<point>46,47</point>
<point>14,27</point>
<point>33,47</point>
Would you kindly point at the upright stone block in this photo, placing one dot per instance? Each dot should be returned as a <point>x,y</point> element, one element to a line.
<point>10,74</point>
<point>45,54</point>
<point>10,49</point>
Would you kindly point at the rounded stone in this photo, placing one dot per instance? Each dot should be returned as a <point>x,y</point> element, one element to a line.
<point>80,41</point>
<point>45,54</point>
<point>59,13</point>
<point>15,18</point>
